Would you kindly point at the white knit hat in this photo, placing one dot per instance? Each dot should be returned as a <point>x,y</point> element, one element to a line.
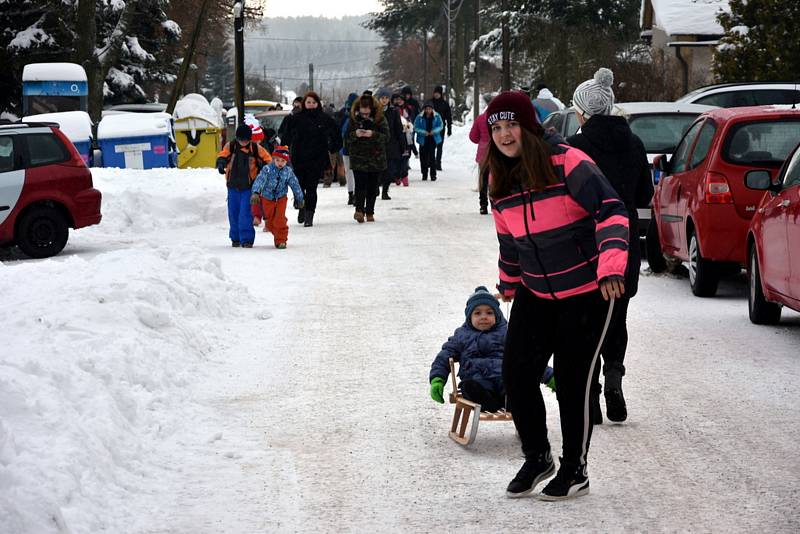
<point>595,97</point>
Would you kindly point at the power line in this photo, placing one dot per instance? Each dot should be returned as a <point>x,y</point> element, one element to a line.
<point>321,79</point>
<point>305,65</point>
<point>259,38</point>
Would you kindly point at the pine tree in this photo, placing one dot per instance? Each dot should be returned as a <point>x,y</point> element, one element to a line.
<point>760,43</point>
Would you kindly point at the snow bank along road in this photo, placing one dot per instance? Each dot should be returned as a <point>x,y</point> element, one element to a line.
<point>154,380</point>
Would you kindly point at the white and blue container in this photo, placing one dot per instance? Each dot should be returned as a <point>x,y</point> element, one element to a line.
<point>137,140</point>
<point>53,87</point>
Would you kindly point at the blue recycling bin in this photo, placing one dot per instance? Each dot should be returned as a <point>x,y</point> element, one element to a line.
<point>137,140</point>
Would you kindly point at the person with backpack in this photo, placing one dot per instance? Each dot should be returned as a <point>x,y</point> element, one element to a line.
<point>313,136</point>
<point>241,161</point>
<point>621,155</point>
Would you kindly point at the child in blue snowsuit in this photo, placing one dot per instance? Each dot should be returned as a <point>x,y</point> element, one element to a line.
<point>478,347</point>
<point>269,195</point>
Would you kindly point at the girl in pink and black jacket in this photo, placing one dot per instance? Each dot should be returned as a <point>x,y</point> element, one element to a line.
<point>563,237</point>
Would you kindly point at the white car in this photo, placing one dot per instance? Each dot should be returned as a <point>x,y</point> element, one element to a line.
<point>735,95</point>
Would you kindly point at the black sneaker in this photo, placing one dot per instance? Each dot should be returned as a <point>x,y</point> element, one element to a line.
<point>615,405</point>
<point>571,481</point>
<point>235,244</point>
<point>535,469</point>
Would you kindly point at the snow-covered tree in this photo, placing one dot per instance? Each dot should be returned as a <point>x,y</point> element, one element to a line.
<point>760,42</point>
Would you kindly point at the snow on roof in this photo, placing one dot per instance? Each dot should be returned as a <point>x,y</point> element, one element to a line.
<point>47,72</point>
<point>689,17</point>
<point>76,125</point>
<point>134,125</point>
<point>195,105</point>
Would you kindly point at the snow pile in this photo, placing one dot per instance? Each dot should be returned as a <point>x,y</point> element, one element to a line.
<point>134,125</point>
<point>76,125</point>
<point>195,106</point>
<point>689,17</point>
<point>95,371</point>
<point>48,72</point>
<point>140,201</point>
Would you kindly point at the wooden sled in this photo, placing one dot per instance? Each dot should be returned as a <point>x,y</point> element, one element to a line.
<point>465,425</point>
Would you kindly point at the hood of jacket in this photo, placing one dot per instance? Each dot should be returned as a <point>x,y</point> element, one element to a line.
<point>378,117</point>
<point>609,133</point>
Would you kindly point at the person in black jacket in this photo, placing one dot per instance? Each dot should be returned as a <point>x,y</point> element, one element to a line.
<point>620,154</point>
<point>442,107</point>
<point>313,136</point>
<point>395,146</point>
<point>285,129</point>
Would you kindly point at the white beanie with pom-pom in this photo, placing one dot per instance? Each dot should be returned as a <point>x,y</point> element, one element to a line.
<point>595,97</point>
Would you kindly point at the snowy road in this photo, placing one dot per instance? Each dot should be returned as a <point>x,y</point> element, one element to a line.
<point>154,380</point>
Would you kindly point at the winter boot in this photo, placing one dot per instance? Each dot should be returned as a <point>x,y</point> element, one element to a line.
<point>537,468</point>
<point>571,481</point>
<point>280,246</point>
<point>309,219</point>
<point>484,210</point>
<point>235,244</point>
<point>359,216</point>
<point>405,181</point>
<point>247,245</point>
<point>370,217</point>
<point>595,413</point>
<point>424,177</point>
<point>433,177</point>
<point>616,410</point>
<point>351,198</point>
<point>385,193</point>
<point>301,216</point>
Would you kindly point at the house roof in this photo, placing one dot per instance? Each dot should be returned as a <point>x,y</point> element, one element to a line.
<point>684,17</point>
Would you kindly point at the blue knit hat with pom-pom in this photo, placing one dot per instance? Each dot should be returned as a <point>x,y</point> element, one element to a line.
<point>482,296</point>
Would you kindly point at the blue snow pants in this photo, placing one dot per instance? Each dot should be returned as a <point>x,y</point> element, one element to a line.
<point>239,216</point>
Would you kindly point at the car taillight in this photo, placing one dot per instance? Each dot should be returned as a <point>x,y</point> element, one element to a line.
<point>717,189</point>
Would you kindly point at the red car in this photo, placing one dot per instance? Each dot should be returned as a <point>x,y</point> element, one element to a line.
<point>773,243</point>
<point>45,189</point>
<point>701,206</point>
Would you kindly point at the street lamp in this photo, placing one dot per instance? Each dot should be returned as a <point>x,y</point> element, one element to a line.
<point>238,43</point>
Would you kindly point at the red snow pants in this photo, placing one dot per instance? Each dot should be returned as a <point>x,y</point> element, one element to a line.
<point>274,213</point>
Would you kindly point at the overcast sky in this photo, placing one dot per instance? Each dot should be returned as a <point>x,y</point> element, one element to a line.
<point>327,8</point>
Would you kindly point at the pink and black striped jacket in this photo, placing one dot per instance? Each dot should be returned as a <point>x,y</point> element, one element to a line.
<point>561,241</point>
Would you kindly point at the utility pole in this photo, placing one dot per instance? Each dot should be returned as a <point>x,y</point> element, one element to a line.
<point>310,76</point>
<point>424,63</point>
<point>476,90</point>
<point>449,10</point>
<point>238,34</point>
<point>506,52</point>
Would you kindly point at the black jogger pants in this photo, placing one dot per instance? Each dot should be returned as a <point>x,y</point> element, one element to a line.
<point>570,330</point>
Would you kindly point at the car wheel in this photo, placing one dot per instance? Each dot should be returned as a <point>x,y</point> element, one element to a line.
<point>703,275</point>
<point>652,247</point>
<point>761,311</point>
<point>42,232</point>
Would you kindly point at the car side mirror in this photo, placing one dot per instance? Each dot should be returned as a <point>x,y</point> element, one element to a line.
<point>661,163</point>
<point>758,180</point>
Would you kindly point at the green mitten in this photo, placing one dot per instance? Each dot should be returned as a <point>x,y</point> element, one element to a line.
<point>437,389</point>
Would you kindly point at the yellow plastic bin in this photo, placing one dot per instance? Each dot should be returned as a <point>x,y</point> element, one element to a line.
<point>198,132</point>
<point>199,142</point>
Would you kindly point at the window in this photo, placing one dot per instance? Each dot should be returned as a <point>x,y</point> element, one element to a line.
<point>776,96</point>
<point>660,133</point>
<point>703,144</point>
<point>792,176</point>
<point>762,143</point>
<point>681,157</point>
<point>44,149</point>
<point>572,124</point>
<point>6,153</point>
<point>731,99</point>
<point>553,121</point>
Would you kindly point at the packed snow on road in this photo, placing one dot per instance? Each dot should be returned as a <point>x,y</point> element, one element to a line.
<point>155,380</point>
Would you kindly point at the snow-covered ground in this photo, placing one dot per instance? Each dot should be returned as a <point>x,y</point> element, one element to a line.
<point>155,380</point>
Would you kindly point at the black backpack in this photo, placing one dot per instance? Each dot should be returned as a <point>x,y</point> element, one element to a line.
<point>253,152</point>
